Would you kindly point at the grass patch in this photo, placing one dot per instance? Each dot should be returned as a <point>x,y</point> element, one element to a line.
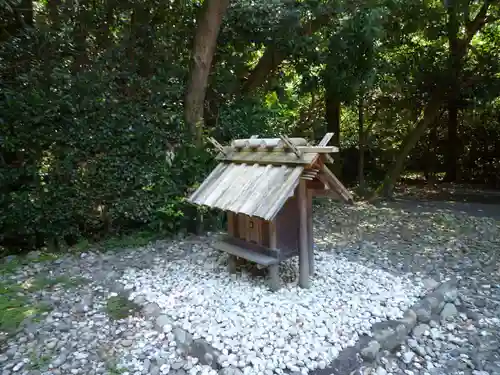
<point>119,307</point>
<point>39,362</point>
<point>14,263</point>
<point>15,307</point>
<point>45,282</point>
<point>113,369</point>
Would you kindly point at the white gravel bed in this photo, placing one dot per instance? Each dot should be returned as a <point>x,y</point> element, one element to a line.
<point>262,331</point>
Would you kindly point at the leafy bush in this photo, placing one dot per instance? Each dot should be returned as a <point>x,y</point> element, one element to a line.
<point>87,154</point>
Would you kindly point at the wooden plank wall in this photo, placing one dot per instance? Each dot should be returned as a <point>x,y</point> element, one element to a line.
<point>232,224</point>
<point>239,226</point>
<point>287,227</point>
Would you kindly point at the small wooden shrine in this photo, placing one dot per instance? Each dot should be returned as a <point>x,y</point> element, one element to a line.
<point>266,187</point>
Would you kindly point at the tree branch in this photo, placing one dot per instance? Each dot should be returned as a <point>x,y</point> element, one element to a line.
<point>274,55</point>
<point>481,19</point>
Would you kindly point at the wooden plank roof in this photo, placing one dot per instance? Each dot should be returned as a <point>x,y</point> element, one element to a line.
<point>256,176</point>
<point>251,189</point>
<point>267,157</point>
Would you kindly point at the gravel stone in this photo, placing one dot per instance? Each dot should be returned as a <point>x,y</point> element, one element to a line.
<point>371,350</point>
<point>380,371</point>
<point>449,311</point>
<point>18,366</point>
<point>371,268</point>
<point>151,310</point>
<point>231,310</point>
<point>421,330</point>
<point>408,357</point>
<point>163,323</point>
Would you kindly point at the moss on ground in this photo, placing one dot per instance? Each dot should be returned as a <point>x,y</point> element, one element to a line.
<point>12,263</point>
<point>119,307</point>
<point>39,361</point>
<point>15,306</point>
<point>46,282</point>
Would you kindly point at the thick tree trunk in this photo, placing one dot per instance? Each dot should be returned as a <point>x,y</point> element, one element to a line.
<point>205,42</point>
<point>430,113</point>
<point>452,142</point>
<point>454,62</point>
<point>144,42</point>
<point>332,116</point>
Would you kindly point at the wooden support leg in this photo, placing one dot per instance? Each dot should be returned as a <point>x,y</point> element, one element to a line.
<point>310,239</point>
<point>303,237</point>
<point>231,264</point>
<point>274,277</point>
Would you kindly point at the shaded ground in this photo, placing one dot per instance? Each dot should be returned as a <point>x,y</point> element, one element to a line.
<point>447,192</point>
<point>438,240</point>
<point>74,322</point>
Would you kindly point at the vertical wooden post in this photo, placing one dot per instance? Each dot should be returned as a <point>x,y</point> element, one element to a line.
<point>273,241</point>
<point>231,224</point>
<point>310,238</point>
<point>231,230</point>
<point>274,277</point>
<point>303,237</point>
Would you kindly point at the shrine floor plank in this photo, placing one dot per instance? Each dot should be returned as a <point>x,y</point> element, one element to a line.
<point>247,254</point>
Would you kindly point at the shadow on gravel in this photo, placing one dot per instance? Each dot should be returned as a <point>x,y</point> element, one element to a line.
<point>436,238</point>
<point>428,239</point>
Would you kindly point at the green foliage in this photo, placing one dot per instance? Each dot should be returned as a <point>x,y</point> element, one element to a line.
<point>12,264</point>
<point>82,156</point>
<point>46,282</point>
<point>91,103</point>
<point>124,241</point>
<point>15,307</point>
<point>249,116</point>
<point>39,361</point>
<point>114,369</point>
<point>119,307</point>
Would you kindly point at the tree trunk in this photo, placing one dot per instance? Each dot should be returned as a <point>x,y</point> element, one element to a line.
<point>452,142</point>
<point>26,10</point>
<point>205,41</point>
<point>268,63</point>
<point>454,70</point>
<point>431,160</point>
<point>332,116</point>
<point>53,12</point>
<point>362,143</point>
<point>431,111</point>
<point>273,56</point>
<point>433,107</point>
<point>80,34</point>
